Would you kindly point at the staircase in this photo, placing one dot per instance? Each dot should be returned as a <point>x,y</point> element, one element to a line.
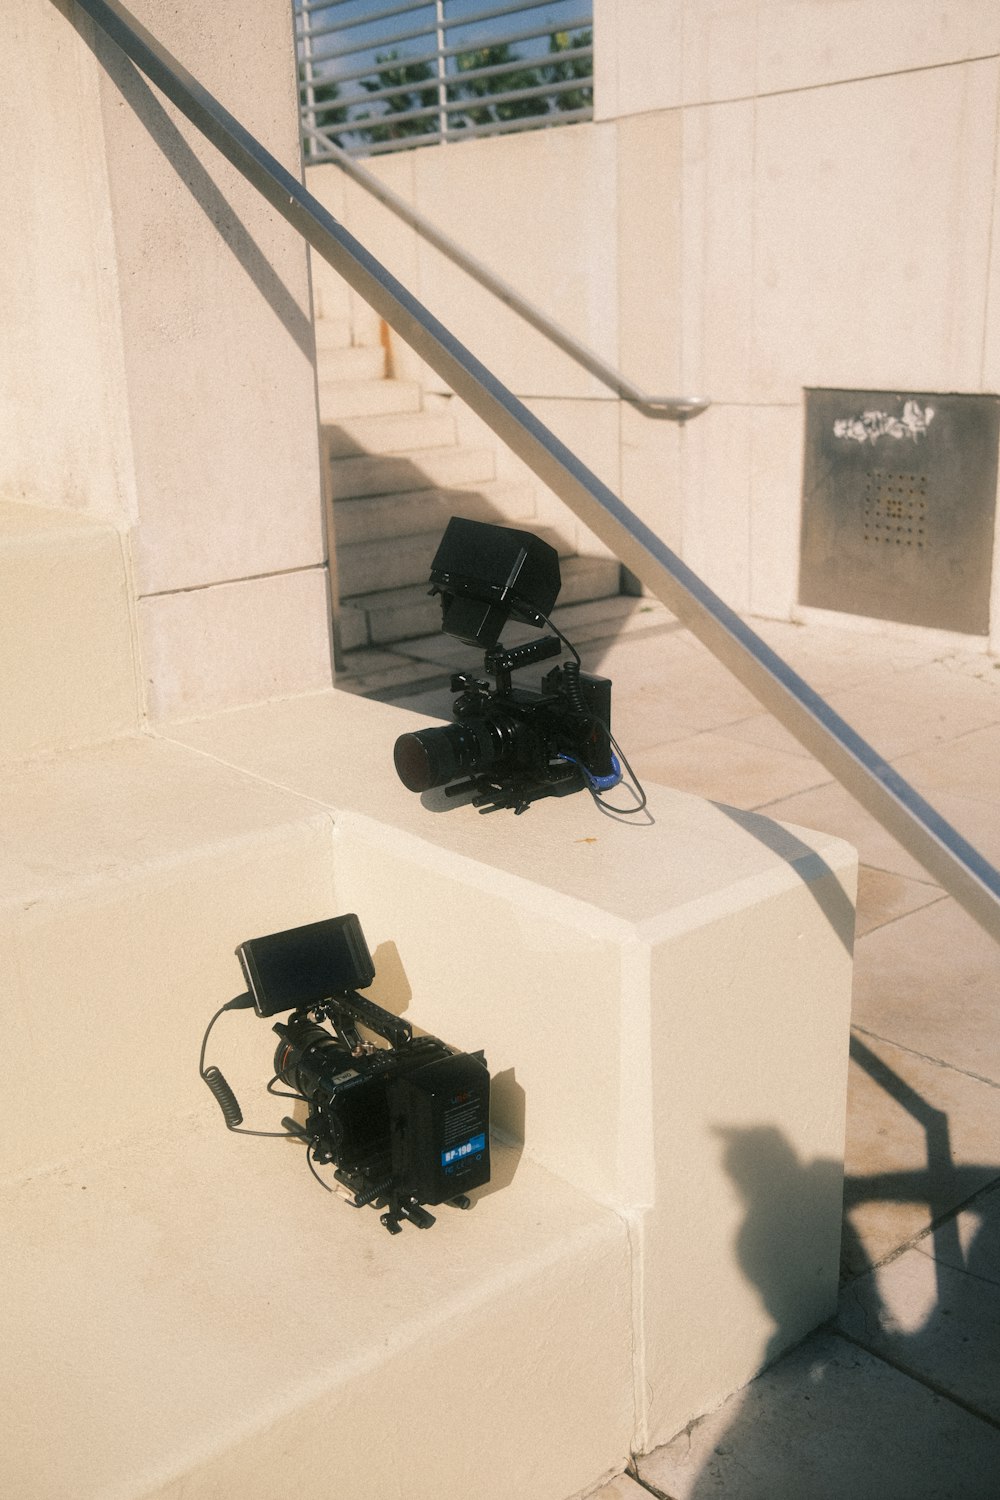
<point>397,472</point>
<point>185,1312</point>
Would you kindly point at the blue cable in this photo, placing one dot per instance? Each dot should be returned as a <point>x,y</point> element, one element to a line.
<point>596,783</point>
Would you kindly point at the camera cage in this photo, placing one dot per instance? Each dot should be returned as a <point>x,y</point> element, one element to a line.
<point>403,1124</point>
<point>509,746</point>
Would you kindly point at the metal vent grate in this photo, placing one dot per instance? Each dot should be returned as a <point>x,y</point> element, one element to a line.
<point>895,511</point>
<point>898,506</point>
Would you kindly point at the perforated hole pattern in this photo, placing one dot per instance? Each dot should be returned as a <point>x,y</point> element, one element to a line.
<point>895,508</point>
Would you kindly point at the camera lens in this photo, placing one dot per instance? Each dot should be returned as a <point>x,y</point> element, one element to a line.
<point>433,757</point>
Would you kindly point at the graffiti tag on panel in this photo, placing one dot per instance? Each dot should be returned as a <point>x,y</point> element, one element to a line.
<point>873,425</point>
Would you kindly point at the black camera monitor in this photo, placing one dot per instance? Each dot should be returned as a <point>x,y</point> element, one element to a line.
<point>488,574</point>
<point>298,968</point>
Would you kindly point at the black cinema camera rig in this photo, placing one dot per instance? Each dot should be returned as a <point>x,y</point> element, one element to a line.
<point>404,1124</point>
<point>509,746</point>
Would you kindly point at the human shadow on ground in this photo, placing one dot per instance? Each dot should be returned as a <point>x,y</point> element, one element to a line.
<point>837,1418</point>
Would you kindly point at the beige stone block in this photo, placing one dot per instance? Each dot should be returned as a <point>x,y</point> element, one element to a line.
<point>717,261</point>
<point>590,429</point>
<point>890,298</point>
<point>215,314</point>
<point>330,292</point>
<point>751,1173</point>
<point>650,479</point>
<point>392,242</point>
<point>649,251</point>
<point>806,43</point>
<point>209,649</point>
<point>715,469</point>
<point>699,968</point>
<point>552,964</point>
<point>776,449</point>
<point>130,874</point>
<point>156,1293</point>
<point>524,205</point>
<point>991,368</point>
<point>67,673</point>
<point>719,50</point>
<point>64,437</point>
<point>637,57</point>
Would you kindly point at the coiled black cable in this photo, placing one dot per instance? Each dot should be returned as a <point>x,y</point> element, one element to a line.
<point>228,1103</point>
<point>223,1094</point>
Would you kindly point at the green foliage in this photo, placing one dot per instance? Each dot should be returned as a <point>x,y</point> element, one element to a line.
<point>406,86</point>
<point>502,83</point>
<point>567,69</point>
<point>397,74</point>
<point>328,113</point>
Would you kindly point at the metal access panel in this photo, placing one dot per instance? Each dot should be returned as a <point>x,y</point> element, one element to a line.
<point>899,496</point>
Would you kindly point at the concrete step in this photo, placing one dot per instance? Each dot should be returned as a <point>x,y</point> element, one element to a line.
<point>586,578</point>
<point>334,365</point>
<point>387,516</point>
<point>67,674</point>
<point>612,616</point>
<point>388,675</point>
<point>393,474</point>
<point>390,615</point>
<point>363,398</point>
<point>191,1315</point>
<point>129,873</point>
<point>396,432</point>
<point>396,563</point>
<point>382,618</point>
<point>333,333</point>
<point>164,1277</point>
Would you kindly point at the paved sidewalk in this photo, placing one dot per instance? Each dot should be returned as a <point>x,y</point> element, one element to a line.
<point>899,1398</point>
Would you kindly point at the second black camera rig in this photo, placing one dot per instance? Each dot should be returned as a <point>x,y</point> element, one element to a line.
<point>509,745</point>
<point>403,1125</point>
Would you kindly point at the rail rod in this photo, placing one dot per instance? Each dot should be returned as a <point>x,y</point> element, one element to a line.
<point>676,407</point>
<point>942,851</point>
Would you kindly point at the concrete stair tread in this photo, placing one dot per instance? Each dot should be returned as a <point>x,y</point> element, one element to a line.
<point>333,333</point>
<point>87,817</point>
<point>355,363</point>
<point>364,398</point>
<point>384,564</point>
<point>373,673</point>
<point>361,520</point>
<point>391,432</point>
<point>392,615</point>
<point>245,1333</point>
<point>394,473</point>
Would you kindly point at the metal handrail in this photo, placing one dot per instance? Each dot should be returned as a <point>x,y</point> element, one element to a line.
<point>942,851</point>
<point>676,408</point>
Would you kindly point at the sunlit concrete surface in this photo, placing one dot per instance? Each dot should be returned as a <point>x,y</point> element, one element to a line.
<point>901,1397</point>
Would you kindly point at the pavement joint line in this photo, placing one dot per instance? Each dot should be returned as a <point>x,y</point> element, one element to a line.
<point>938,1062</point>
<point>891,921</point>
<point>930,1385</point>
<point>632,1470</point>
<point>916,1240</point>
<point>962,1270</point>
